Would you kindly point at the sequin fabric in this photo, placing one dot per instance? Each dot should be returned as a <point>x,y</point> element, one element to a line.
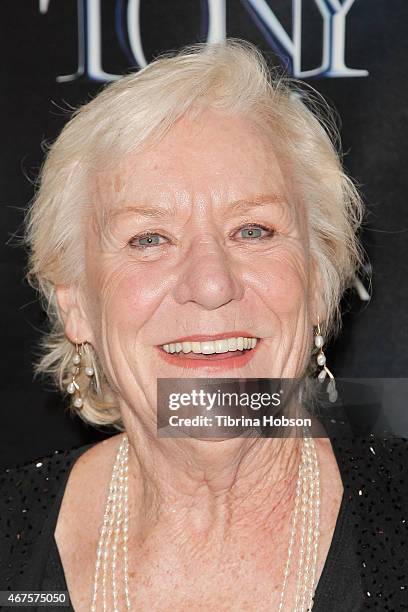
<point>27,495</point>
<point>374,473</point>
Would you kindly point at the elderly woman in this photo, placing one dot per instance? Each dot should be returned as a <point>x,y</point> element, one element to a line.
<point>193,220</point>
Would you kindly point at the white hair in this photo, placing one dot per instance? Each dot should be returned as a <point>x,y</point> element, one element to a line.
<point>141,108</point>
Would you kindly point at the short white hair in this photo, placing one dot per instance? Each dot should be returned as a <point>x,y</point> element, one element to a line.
<point>233,77</point>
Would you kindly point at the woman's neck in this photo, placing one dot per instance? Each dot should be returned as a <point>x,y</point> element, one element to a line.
<point>204,484</point>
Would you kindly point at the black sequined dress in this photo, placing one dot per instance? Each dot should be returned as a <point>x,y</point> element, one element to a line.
<point>367,564</point>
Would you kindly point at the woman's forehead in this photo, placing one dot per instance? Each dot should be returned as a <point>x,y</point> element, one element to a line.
<point>226,161</point>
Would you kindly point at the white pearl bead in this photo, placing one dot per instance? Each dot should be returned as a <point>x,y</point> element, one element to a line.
<point>89,371</point>
<point>76,359</point>
<point>331,386</point>
<point>71,388</point>
<point>78,403</point>
<point>322,375</point>
<point>321,359</point>
<point>319,341</point>
<point>333,396</point>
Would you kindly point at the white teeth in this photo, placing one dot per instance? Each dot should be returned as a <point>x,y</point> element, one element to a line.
<point>196,347</point>
<point>232,344</point>
<point>221,346</point>
<point>209,347</point>
<point>186,347</point>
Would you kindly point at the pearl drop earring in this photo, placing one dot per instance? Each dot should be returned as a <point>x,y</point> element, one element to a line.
<point>321,361</point>
<point>73,386</point>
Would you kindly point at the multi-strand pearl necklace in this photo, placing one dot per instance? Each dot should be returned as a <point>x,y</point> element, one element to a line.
<point>114,531</point>
<point>113,541</point>
<point>307,504</point>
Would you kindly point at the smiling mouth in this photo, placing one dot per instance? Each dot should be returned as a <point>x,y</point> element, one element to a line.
<point>228,351</point>
<point>211,350</point>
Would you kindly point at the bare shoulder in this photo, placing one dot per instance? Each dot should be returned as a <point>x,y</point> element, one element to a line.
<point>93,465</point>
<point>81,515</point>
<point>98,454</point>
<point>86,490</point>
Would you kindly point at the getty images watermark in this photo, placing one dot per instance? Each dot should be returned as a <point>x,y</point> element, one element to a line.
<point>222,408</point>
<point>265,407</point>
<point>211,401</point>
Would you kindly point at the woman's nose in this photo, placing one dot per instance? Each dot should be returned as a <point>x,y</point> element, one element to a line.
<point>207,277</point>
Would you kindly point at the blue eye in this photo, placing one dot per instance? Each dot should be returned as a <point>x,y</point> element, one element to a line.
<point>146,240</point>
<point>255,231</point>
<point>248,232</point>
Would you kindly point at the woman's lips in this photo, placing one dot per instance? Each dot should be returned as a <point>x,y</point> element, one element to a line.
<point>217,361</point>
<point>212,357</point>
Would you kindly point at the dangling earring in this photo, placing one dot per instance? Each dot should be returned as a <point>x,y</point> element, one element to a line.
<point>73,386</point>
<point>321,361</point>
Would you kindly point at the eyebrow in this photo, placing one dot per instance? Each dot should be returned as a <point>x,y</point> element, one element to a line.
<point>160,212</point>
<point>257,201</point>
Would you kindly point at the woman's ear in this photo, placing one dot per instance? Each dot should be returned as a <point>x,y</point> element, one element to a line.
<point>77,327</point>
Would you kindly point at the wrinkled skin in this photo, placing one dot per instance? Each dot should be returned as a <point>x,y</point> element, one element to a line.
<point>205,275</point>
<point>196,507</point>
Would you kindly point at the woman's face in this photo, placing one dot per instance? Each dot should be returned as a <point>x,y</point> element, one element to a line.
<point>205,241</point>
